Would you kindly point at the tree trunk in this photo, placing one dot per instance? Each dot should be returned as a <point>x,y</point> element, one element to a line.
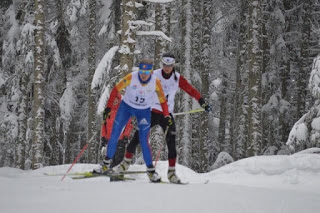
<point>223,114</point>
<point>92,147</point>
<point>240,110</point>
<point>128,35</point>
<point>162,24</point>
<point>197,15</point>
<point>205,79</point>
<point>22,114</point>
<point>20,148</point>
<point>184,122</point>
<point>38,128</point>
<point>255,61</point>
<point>304,60</point>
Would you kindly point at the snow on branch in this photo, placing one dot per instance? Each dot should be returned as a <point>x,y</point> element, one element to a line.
<point>298,134</point>
<point>140,22</point>
<point>156,33</point>
<point>314,80</point>
<point>159,1</point>
<point>103,99</point>
<point>68,102</point>
<point>104,65</point>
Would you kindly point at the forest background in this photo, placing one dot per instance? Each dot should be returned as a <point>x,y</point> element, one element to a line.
<point>250,59</point>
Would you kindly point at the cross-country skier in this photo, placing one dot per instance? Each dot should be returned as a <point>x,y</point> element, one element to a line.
<point>141,87</point>
<point>171,81</point>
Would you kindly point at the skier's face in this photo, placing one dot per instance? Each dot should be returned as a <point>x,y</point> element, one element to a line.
<point>167,68</point>
<point>145,74</point>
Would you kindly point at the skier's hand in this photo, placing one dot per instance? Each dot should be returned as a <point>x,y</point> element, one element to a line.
<point>106,113</point>
<point>169,121</point>
<point>204,105</point>
<point>104,143</point>
<point>125,140</point>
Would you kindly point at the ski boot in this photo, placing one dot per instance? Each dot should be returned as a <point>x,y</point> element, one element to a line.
<point>153,175</point>
<point>104,167</point>
<point>124,165</point>
<point>172,176</point>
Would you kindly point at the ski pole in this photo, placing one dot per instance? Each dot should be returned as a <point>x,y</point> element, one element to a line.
<point>75,160</point>
<point>159,151</point>
<point>189,112</point>
<point>79,155</point>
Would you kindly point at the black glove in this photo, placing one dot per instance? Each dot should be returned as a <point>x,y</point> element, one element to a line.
<point>169,121</point>
<point>106,113</point>
<point>103,149</point>
<point>104,142</point>
<point>125,140</point>
<point>204,105</point>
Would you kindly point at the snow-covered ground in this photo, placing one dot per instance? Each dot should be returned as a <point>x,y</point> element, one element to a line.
<point>265,184</point>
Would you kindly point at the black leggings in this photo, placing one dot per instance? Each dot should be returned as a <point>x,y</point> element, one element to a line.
<point>158,119</point>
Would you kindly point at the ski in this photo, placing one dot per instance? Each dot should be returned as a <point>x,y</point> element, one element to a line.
<point>179,183</point>
<point>167,182</point>
<point>69,174</point>
<point>85,173</point>
<point>113,177</point>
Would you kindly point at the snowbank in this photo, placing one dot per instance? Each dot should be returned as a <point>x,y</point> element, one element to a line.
<point>298,170</point>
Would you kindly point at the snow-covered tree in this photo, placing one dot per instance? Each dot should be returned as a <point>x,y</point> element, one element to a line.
<point>274,80</point>
<point>306,131</point>
<point>241,92</point>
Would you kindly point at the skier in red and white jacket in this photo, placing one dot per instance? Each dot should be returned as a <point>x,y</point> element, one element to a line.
<point>171,81</point>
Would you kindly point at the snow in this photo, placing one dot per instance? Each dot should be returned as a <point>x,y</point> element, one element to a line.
<point>2,80</point>
<point>104,15</point>
<point>279,16</point>
<point>223,158</point>
<point>216,83</point>
<point>298,133</point>
<point>103,68</point>
<point>265,184</point>
<point>159,1</point>
<point>156,33</point>
<point>309,151</point>
<point>67,103</point>
<point>315,124</point>
<point>314,80</point>
<point>103,99</point>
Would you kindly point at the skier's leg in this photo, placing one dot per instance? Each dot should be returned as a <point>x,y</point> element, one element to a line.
<point>170,140</point>
<point>172,153</point>
<point>131,148</point>
<point>144,123</point>
<point>122,117</point>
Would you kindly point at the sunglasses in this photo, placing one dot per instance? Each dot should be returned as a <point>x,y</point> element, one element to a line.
<point>147,72</point>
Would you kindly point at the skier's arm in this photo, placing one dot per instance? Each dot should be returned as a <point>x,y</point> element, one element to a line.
<point>120,86</point>
<point>162,98</point>
<point>188,88</point>
<point>184,85</point>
